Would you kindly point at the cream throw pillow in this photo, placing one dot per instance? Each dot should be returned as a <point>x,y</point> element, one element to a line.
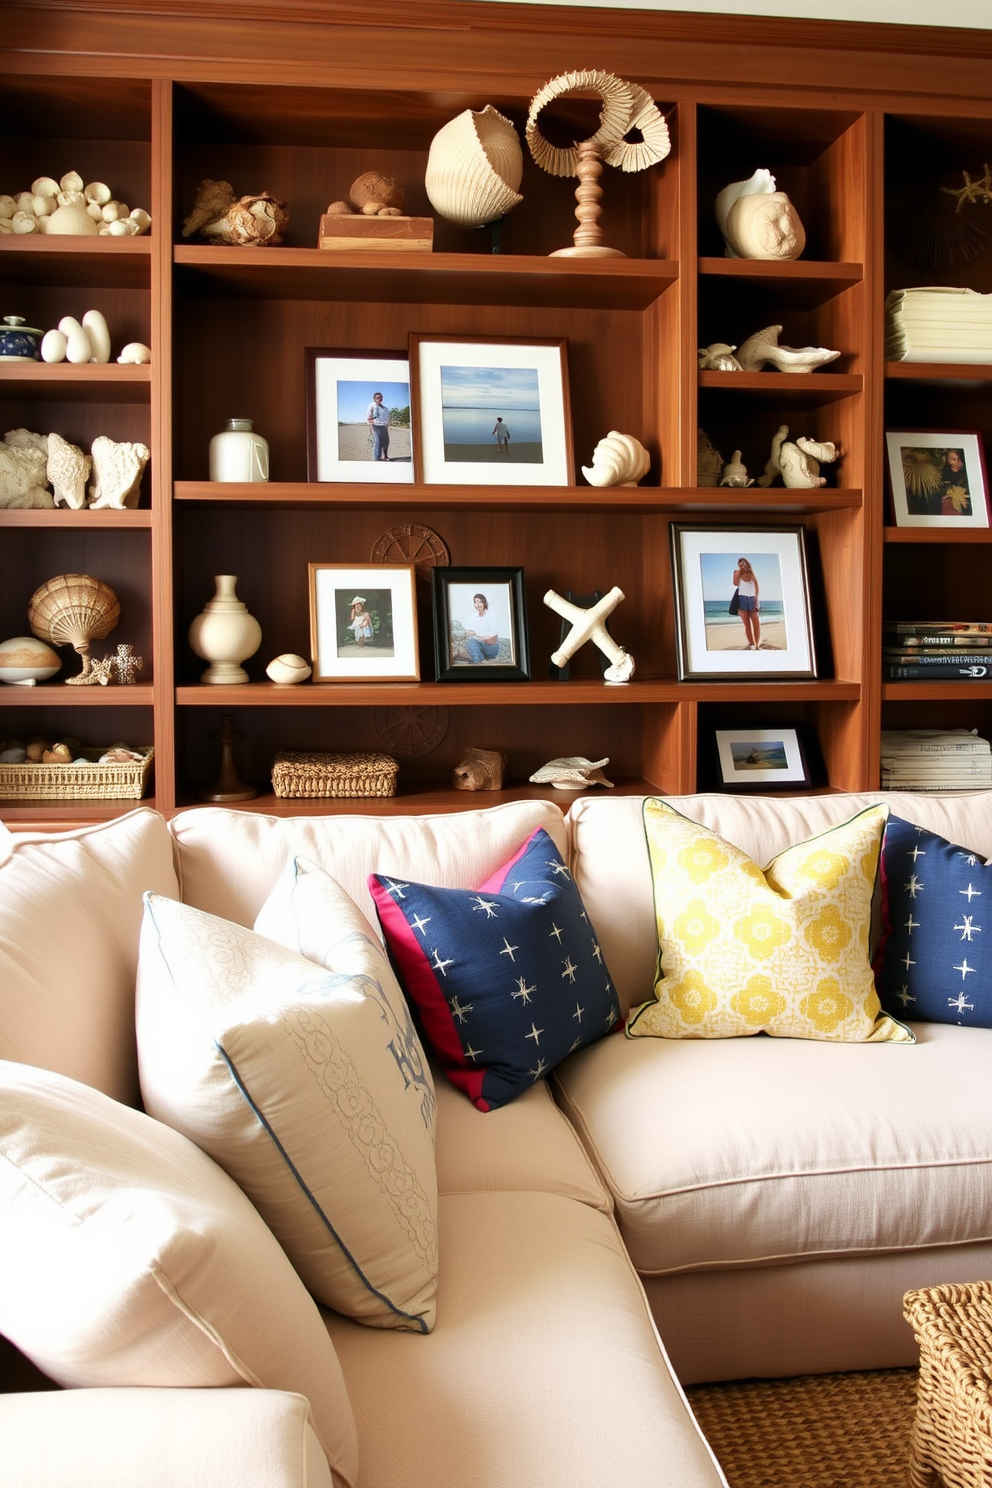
<point>784,951</point>
<point>306,1085</point>
<point>128,1258</point>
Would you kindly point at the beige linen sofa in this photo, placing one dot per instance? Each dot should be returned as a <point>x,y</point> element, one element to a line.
<point>773,1197</point>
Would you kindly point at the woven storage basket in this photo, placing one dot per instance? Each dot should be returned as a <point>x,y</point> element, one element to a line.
<point>89,782</point>
<point>952,1434</point>
<point>307,775</point>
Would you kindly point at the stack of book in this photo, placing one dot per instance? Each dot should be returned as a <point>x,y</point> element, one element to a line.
<point>935,760</point>
<point>937,650</point>
<point>938,325</point>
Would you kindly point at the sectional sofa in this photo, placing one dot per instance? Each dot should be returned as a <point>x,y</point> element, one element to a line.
<point>655,1211</point>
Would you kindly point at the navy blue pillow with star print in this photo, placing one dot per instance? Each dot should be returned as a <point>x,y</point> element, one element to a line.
<point>934,963</point>
<point>508,978</point>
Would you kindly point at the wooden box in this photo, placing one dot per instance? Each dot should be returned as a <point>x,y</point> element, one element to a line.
<point>406,234</point>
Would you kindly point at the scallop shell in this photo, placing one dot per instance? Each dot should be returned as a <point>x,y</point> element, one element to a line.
<point>626,108</point>
<point>617,460</point>
<point>474,167</point>
<point>73,609</point>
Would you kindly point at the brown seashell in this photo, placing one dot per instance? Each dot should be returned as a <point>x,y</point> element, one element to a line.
<point>340,209</point>
<point>59,754</point>
<point>212,201</point>
<point>481,769</point>
<point>73,609</point>
<point>379,191</point>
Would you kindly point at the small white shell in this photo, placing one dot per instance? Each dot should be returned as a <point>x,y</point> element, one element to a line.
<point>53,344</point>
<point>25,201</point>
<point>140,218</point>
<point>288,669</point>
<point>98,335</point>
<point>71,181</point>
<point>617,460</point>
<point>44,186</point>
<point>24,222</point>
<point>8,207</point>
<point>137,353</point>
<point>97,192</point>
<point>43,206</point>
<point>115,211</point>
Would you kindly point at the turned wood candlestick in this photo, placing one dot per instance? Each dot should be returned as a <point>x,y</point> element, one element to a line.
<point>227,786</point>
<point>587,240</point>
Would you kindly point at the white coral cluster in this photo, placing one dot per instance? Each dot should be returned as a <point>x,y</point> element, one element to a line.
<point>31,463</point>
<point>68,206</point>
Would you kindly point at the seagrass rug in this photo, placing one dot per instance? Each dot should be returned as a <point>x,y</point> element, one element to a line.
<point>814,1431</point>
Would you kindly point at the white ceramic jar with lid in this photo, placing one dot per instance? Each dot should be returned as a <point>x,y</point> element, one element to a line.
<point>238,453</point>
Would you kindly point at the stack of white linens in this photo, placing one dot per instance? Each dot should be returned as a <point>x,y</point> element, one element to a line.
<point>935,760</point>
<point>938,325</point>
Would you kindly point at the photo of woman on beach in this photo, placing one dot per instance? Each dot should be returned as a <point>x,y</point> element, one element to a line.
<point>759,623</point>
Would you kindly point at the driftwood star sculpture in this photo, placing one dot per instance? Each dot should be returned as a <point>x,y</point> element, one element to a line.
<point>590,625</point>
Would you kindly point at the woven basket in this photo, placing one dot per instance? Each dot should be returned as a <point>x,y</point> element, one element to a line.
<point>952,1433</point>
<point>308,775</point>
<point>89,782</point>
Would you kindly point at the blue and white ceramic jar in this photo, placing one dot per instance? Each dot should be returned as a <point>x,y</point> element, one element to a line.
<point>19,341</point>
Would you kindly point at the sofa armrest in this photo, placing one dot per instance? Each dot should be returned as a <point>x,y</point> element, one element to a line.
<point>116,1438</point>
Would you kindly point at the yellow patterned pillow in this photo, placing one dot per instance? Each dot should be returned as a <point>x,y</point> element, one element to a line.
<point>784,951</point>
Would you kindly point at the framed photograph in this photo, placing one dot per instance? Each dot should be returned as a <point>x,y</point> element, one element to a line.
<point>358,416</point>
<point>759,758</point>
<point>937,479</point>
<point>741,603</point>
<point>480,625</point>
<point>363,622</point>
<point>491,412</point>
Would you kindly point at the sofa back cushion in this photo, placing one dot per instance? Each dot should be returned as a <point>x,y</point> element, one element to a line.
<point>70,916</point>
<point>609,854</point>
<point>128,1258</point>
<point>228,861</point>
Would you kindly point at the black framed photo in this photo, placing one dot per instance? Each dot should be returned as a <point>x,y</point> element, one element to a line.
<point>751,758</point>
<point>480,625</point>
<point>358,416</point>
<point>741,602</point>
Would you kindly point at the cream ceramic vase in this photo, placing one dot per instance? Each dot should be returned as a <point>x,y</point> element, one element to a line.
<point>225,634</point>
<point>237,453</point>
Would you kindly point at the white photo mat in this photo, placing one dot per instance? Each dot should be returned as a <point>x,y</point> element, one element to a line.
<point>389,592</point>
<point>341,383</point>
<point>502,358</point>
<point>760,756</point>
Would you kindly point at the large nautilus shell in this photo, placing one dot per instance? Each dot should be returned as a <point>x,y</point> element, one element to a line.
<point>617,460</point>
<point>627,109</point>
<point>72,610</point>
<point>474,168</point>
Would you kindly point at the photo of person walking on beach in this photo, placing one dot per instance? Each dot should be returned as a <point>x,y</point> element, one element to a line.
<point>471,396</point>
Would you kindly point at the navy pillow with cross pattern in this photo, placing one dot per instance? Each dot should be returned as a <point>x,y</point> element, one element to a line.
<point>508,978</point>
<point>934,963</point>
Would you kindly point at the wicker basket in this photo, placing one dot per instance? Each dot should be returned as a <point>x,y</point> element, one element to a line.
<point>308,775</point>
<point>89,782</point>
<point>952,1433</point>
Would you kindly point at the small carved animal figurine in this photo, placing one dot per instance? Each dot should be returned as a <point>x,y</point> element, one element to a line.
<point>763,349</point>
<point>709,461</point>
<point>797,462</point>
<point>735,473</point>
<point>572,772</point>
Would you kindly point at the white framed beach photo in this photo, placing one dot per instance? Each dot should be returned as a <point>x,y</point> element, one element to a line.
<point>741,602</point>
<point>491,411</point>
<point>359,425</point>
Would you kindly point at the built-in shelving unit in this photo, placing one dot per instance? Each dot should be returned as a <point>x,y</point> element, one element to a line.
<point>147,98</point>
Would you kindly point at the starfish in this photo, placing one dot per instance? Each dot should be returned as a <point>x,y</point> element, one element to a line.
<point>590,625</point>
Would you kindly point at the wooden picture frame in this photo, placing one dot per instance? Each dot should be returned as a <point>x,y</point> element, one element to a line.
<point>342,387</point>
<point>480,625</point>
<point>363,622</point>
<point>760,759</point>
<point>714,643</point>
<point>491,411</point>
<point>937,478</point>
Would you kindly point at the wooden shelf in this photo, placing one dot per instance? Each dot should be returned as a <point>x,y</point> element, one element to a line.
<point>939,371</point>
<point>423,278</point>
<point>86,263</point>
<point>413,797</point>
<point>62,516</point>
<point>58,695</point>
<point>61,381</point>
<point>489,694</point>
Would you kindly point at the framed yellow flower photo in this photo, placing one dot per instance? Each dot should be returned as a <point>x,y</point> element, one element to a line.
<point>937,478</point>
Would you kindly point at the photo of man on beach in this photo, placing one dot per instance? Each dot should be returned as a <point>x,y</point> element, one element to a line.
<point>490,414</point>
<point>757,621</point>
<point>373,421</point>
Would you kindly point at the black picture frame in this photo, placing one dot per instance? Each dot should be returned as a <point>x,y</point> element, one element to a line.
<point>454,596</point>
<point>764,759</point>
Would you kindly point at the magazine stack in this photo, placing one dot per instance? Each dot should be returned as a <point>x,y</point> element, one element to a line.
<point>937,651</point>
<point>935,760</point>
<point>938,325</point>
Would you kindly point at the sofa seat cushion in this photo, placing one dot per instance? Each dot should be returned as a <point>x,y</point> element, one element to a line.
<point>526,1145</point>
<point>229,861</point>
<point>544,1367</point>
<point>70,913</point>
<point>127,1257</point>
<point>760,1151</point>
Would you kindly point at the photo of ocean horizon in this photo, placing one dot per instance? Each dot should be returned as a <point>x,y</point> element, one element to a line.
<point>475,399</point>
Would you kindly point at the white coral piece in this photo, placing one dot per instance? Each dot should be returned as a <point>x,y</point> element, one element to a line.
<point>117,471</point>
<point>23,458</point>
<point>68,471</point>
